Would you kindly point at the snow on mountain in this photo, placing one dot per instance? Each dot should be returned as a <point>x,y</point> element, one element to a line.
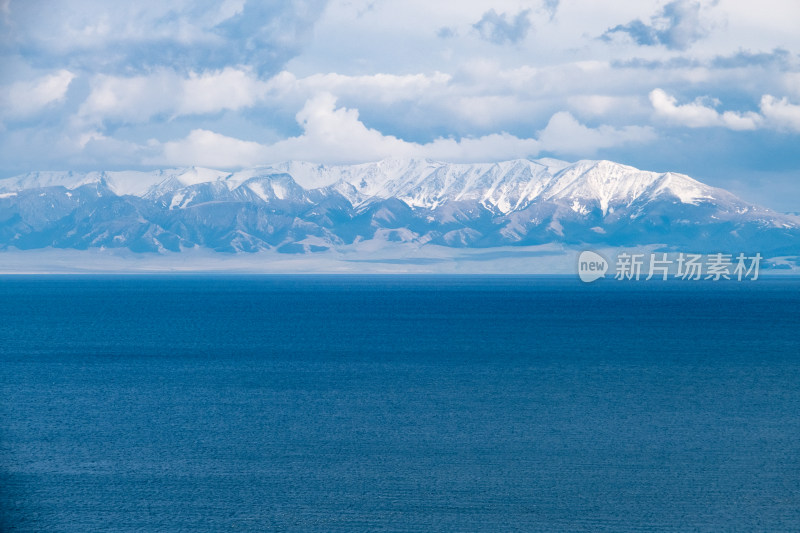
<point>504,186</point>
<point>37,180</point>
<point>299,206</point>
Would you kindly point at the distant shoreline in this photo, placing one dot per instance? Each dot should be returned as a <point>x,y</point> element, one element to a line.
<point>545,260</point>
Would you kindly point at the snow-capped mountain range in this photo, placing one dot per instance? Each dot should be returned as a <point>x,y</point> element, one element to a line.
<point>301,207</point>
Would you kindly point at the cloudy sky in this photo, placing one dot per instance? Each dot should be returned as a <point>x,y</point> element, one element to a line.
<point>710,88</point>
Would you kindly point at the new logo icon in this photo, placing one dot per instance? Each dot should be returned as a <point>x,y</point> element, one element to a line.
<point>591,266</point>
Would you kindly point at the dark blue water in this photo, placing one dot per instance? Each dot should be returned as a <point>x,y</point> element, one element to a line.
<point>398,404</point>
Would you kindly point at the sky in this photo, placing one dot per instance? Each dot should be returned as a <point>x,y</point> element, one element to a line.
<point>710,88</point>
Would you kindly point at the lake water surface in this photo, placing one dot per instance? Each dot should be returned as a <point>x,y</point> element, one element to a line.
<point>188,403</point>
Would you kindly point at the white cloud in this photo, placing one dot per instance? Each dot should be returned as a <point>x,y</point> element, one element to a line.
<point>497,28</point>
<point>337,135</point>
<point>564,134</point>
<point>780,113</point>
<point>23,99</point>
<point>777,114</point>
<point>138,99</point>
<point>479,98</point>
<point>599,105</point>
<point>116,37</point>
<point>699,115</point>
<point>331,134</point>
<point>741,121</point>
<point>791,83</point>
<point>226,89</point>
<point>676,26</point>
<point>379,87</point>
<point>694,115</point>
<point>209,149</point>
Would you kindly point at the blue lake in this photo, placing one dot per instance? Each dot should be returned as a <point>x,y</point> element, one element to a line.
<point>404,403</point>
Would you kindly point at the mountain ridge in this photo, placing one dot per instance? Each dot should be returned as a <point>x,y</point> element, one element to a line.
<point>298,206</point>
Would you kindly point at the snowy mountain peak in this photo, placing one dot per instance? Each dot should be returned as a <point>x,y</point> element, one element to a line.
<point>504,187</point>
<point>298,206</point>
